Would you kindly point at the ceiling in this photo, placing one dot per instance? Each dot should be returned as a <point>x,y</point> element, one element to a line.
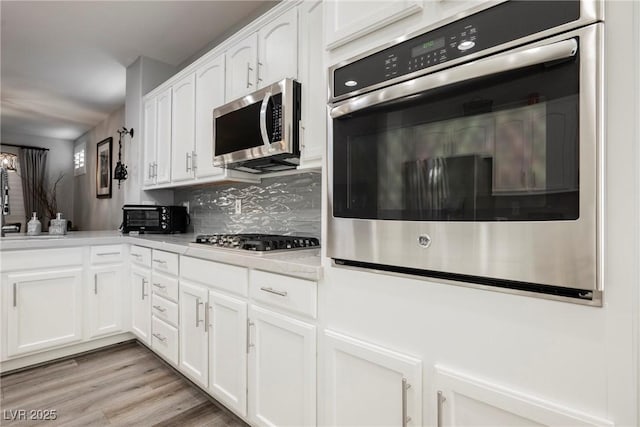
<point>63,63</point>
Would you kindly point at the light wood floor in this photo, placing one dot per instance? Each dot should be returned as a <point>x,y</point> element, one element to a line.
<point>125,385</point>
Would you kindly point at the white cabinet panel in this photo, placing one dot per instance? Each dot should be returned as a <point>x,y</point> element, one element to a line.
<point>462,400</point>
<point>164,340</point>
<point>105,300</point>
<point>278,49</point>
<point>44,309</point>
<point>241,68</point>
<point>369,385</point>
<point>228,351</point>
<point>347,20</point>
<point>183,128</point>
<point>313,125</point>
<point>193,332</point>
<point>163,137</point>
<point>282,370</point>
<point>150,134</point>
<point>209,95</point>
<point>140,292</point>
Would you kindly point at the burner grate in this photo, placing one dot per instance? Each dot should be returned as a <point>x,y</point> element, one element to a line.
<point>258,242</point>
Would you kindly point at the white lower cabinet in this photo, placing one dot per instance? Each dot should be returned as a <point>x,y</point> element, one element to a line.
<point>464,400</point>
<point>44,309</point>
<point>105,302</point>
<point>228,351</point>
<point>367,385</point>
<point>141,303</point>
<point>282,370</point>
<point>194,351</point>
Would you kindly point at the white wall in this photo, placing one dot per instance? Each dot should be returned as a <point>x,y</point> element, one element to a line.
<point>59,161</point>
<point>91,213</point>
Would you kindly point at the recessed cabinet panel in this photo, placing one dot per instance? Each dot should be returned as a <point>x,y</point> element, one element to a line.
<point>193,332</point>
<point>44,310</point>
<point>282,368</point>
<point>105,301</point>
<point>210,85</point>
<point>183,128</point>
<point>463,400</point>
<point>140,292</point>
<point>228,351</point>
<point>278,49</point>
<point>369,385</point>
<point>241,68</point>
<point>163,147</point>
<point>150,125</point>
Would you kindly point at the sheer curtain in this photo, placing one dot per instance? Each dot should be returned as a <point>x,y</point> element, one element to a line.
<point>33,165</point>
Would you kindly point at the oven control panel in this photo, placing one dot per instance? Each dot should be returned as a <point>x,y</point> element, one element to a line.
<point>491,27</point>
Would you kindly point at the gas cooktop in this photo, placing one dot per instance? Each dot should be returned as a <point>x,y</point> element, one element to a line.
<point>257,242</point>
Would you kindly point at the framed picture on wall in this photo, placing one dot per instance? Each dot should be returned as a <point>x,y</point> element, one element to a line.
<point>103,169</point>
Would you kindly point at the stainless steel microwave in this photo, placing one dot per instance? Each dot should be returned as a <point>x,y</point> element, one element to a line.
<point>472,153</point>
<point>259,132</point>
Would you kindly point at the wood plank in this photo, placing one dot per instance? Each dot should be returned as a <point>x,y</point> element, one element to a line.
<point>122,385</point>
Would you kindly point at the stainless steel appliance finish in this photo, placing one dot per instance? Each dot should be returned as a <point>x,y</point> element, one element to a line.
<point>557,258</point>
<point>259,132</point>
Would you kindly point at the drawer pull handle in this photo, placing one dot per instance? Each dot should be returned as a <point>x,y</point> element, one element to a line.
<point>160,337</point>
<point>158,285</point>
<point>441,400</point>
<point>273,291</point>
<point>160,309</point>
<point>95,283</point>
<point>136,255</point>
<point>405,418</point>
<point>160,261</point>
<point>111,253</point>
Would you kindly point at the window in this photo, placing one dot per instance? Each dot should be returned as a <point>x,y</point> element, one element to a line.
<point>79,165</point>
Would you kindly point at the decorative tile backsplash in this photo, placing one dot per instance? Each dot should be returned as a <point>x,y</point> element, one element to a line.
<point>283,205</point>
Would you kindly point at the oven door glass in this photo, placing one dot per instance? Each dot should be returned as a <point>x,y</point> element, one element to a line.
<point>142,218</point>
<point>499,148</point>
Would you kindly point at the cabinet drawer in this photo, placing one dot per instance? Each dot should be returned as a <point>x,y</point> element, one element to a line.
<point>296,295</point>
<point>140,256</point>
<point>40,258</point>
<point>164,309</point>
<point>164,285</point>
<point>164,339</point>
<point>108,254</point>
<point>227,277</point>
<point>166,262</point>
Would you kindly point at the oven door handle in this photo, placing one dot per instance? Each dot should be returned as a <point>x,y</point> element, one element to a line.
<point>263,119</point>
<point>472,70</point>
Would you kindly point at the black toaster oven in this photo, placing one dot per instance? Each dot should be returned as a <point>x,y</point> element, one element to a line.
<point>154,219</point>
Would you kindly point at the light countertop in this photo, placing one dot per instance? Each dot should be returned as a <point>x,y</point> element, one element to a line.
<point>304,264</point>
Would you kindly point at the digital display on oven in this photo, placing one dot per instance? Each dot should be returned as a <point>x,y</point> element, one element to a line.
<point>427,47</point>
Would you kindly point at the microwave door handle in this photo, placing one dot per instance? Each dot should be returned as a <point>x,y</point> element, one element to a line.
<point>263,119</point>
<point>472,70</point>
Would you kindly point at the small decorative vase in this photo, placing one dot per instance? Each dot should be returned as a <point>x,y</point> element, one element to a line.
<point>58,226</point>
<point>34,227</point>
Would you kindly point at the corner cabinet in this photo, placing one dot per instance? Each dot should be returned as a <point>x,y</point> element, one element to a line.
<point>370,385</point>
<point>105,300</point>
<point>44,309</point>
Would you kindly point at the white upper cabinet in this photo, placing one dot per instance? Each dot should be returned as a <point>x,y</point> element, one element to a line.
<point>183,128</point>
<point>150,125</point>
<point>163,147</point>
<point>278,49</point>
<point>241,68</point>
<point>313,123</point>
<point>347,20</point>
<point>209,95</point>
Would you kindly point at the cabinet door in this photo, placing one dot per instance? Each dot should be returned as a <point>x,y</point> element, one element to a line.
<point>368,385</point>
<point>193,332</point>
<point>105,301</point>
<point>313,81</point>
<point>240,76</point>
<point>282,370</point>
<point>44,310</point>
<point>228,351</point>
<point>209,95</point>
<point>150,134</point>
<point>183,128</point>
<point>163,138</point>
<point>347,20</point>
<point>462,400</point>
<point>278,49</point>
<point>141,303</point>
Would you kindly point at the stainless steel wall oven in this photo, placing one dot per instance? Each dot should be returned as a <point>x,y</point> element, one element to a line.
<point>473,152</point>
